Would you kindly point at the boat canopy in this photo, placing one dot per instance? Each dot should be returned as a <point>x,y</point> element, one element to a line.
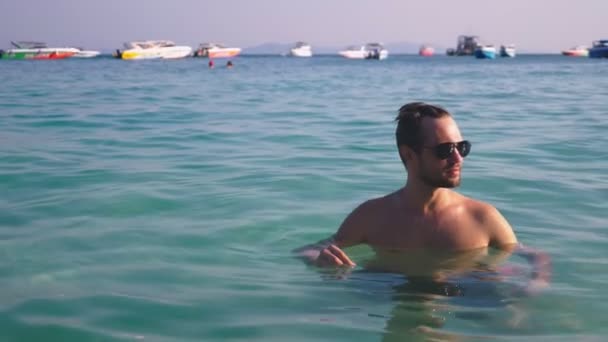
<point>354,48</point>
<point>148,44</point>
<point>29,45</point>
<point>600,43</point>
<point>211,46</point>
<point>374,46</point>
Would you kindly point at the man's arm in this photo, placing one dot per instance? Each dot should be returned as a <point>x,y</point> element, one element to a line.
<point>503,237</point>
<point>328,252</point>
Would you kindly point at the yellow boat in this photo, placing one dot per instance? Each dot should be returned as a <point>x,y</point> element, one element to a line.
<point>153,49</point>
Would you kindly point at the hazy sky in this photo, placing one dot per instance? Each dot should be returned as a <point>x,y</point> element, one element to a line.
<point>533,25</point>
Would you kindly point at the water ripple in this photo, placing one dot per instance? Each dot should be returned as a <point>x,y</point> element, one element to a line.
<point>160,200</point>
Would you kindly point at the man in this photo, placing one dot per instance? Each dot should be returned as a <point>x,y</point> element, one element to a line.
<point>425,214</point>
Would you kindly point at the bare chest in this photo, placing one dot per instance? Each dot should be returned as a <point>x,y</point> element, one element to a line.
<point>445,232</point>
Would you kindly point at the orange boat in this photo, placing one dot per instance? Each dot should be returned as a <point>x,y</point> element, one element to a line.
<point>213,50</point>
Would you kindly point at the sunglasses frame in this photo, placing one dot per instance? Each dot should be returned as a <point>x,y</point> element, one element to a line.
<point>445,150</point>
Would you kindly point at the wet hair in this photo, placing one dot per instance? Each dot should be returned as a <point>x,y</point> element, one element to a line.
<point>409,121</point>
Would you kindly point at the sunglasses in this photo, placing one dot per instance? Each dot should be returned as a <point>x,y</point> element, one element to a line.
<point>445,150</point>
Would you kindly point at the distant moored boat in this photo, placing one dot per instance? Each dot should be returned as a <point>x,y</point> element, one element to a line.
<point>426,51</point>
<point>153,49</point>
<point>215,50</point>
<point>367,51</point>
<point>301,49</point>
<point>485,52</point>
<point>599,49</point>
<point>507,50</point>
<point>465,47</point>
<point>36,50</point>
<point>577,51</point>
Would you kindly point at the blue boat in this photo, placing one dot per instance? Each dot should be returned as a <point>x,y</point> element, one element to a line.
<point>599,49</point>
<point>485,52</point>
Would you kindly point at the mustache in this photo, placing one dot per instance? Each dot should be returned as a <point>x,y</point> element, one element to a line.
<point>453,166</point>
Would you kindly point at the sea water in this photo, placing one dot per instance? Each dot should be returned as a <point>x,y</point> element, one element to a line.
<point>160,200</point>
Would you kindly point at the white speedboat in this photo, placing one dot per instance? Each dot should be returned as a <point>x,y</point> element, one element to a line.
<point>301,49</point>
<point>154,49</point>
<point>214,50</point>
<point>86,53</point>
<point>507,50</point>
<point>36,50</point>
<point>367,51</point>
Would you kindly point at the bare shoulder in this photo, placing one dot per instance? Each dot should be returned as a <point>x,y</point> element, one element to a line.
<point>482,212</point>
<point>356,225</point>
<point>492,221</point>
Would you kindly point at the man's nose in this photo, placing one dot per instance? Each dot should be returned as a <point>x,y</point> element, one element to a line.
<point>455,156</point>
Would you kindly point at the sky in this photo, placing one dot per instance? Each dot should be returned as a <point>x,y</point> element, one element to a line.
<point>532,25</point>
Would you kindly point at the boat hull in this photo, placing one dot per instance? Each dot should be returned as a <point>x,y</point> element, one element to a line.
<point>383,54</point>
<point>507,52</point>
<point>39,54</point>
<point>171,52</point>
<point>426,51</point>
<point>601,52</point>
<point>224,53</point>
<point>86,54</point>
<point>574,53</point>
<point>217,52</point>
<point>300,53</point>
<point>485,53</point>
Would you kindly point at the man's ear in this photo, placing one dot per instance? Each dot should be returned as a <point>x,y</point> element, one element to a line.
<point>406,153</point>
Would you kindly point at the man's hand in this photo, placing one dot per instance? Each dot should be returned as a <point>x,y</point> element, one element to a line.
<point>540,276</point>
<point>332,255</point>
<point>324,254</point>
<point>535,287</point>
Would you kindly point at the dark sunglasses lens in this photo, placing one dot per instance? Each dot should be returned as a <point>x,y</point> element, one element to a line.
<point>443,151</point>
<point>464,148</point>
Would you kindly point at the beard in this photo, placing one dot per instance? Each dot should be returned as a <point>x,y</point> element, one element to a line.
<point>439,180</point>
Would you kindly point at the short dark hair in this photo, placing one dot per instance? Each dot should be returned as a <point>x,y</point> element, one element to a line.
<point>409,121</point>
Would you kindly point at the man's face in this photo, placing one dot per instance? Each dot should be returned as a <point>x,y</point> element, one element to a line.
<point>433,170</point>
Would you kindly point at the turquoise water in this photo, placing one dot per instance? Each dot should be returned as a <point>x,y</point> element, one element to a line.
<point>160,200</point>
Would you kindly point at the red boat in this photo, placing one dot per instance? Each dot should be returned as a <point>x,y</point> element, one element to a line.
<point>577,51</point>
<point>36,50</point>
<point>426,51</point>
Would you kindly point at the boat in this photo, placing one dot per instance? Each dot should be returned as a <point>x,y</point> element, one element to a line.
<point>367,51</point>
<point>86,53</point>
<point>153,49</point>
<point>465,46</point>
<point>426,51</point>
<point>599,49</point>
<point>36,50</point>
<point>485,52</point>
<point>214,50</point>
<point>507,50</point>
<point>576,51</point>
<point>301,49</point>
